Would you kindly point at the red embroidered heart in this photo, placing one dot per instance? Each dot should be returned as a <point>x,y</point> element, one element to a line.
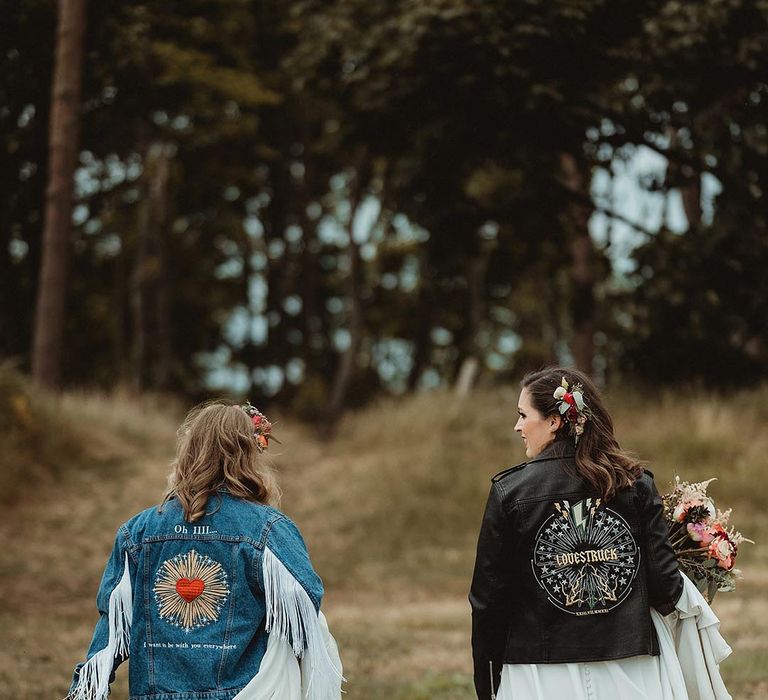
<point>189,589</point>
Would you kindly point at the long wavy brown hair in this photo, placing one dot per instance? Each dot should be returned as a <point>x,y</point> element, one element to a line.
<point>600,460</point>
<point>216,449</point>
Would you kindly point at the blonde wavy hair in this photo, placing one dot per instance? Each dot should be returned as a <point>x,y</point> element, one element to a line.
<point>216,449</point>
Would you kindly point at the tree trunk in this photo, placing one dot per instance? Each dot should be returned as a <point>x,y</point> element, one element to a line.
<point>423,332</point>
<point>688,180</point>
<point>691,195</point>
<point>476,269</point>
<point>159,198</point>
<point>139,292</point>
<point>346,368</point>
<point>582,302</point>
<point>469,365</point>
<point>120,304</point>
<point>149,295</point>
<point>314,346</point>
<point>9,301</point>
<point>276,348</point>
<point>63,148</point>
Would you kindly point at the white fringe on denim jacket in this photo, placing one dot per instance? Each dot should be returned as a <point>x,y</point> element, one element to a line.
<point>94,675</point>
<point>296,631</point>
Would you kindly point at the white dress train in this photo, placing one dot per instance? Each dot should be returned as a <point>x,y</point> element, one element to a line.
<point>687,668</point>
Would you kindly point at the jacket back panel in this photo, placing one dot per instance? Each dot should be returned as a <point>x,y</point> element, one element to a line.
<point>581,572</point>
<point>199,608</point>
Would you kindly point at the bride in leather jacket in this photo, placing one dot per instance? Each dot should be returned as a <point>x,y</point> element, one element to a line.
<point>572,555</point>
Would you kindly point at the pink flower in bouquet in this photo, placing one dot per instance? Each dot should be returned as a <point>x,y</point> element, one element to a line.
<point>694,510</point>
<point>722,548</point>
<point>700,532</point>
<point>680,510</point>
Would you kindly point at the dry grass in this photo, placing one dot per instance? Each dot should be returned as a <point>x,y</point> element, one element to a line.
<point>390,509</point>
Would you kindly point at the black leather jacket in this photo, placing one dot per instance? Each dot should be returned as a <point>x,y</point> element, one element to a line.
<point>562,576</point>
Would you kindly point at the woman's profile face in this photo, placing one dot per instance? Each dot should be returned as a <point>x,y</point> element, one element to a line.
<point>536,430</point>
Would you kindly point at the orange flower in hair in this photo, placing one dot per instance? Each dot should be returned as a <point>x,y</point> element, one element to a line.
<point>262,428</point>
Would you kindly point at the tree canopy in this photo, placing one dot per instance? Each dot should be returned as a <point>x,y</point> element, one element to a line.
<point>319,201</point>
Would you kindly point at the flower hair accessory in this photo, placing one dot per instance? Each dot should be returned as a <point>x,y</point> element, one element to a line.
<point>262,428</point>
<point>570,403</point>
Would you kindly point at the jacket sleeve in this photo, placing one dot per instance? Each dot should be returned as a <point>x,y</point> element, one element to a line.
<point>665,583</point>
<point>109,645</point>
<point>285,542</point>
<point>490,596</point>
<point>293,593</point>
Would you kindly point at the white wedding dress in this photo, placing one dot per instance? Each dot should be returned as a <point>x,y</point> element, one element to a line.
<point>282,676</point>
<point>687,669</point>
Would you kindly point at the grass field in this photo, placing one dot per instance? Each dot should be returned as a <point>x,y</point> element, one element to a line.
<point>390,509</point>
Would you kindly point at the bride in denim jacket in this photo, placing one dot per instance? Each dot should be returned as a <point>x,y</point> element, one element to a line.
<point>212,594</point>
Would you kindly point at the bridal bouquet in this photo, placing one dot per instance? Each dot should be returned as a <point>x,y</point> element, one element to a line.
<point>705,545</point>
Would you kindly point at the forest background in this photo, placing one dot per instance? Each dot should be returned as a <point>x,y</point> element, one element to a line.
<point>355,214</point>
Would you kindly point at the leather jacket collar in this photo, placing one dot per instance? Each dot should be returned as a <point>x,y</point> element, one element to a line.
<point>557,449</point>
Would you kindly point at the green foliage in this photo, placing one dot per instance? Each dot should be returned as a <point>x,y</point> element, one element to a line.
<point>283,126</point>
<point>699,304</point>
<point>699,310</point>
<point>198,70</point>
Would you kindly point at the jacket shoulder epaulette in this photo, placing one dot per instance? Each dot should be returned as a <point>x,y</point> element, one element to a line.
<point>510,470</point>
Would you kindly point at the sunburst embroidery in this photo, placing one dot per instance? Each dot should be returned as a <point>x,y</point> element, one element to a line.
<point>586,557</point>
<point>190,590</point>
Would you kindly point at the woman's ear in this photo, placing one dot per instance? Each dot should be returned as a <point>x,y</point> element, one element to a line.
<point>554,423</point>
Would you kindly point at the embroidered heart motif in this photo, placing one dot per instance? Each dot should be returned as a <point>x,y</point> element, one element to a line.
<point>189,589</point>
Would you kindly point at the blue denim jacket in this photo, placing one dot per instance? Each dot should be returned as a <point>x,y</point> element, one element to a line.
<point>192,603</point>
